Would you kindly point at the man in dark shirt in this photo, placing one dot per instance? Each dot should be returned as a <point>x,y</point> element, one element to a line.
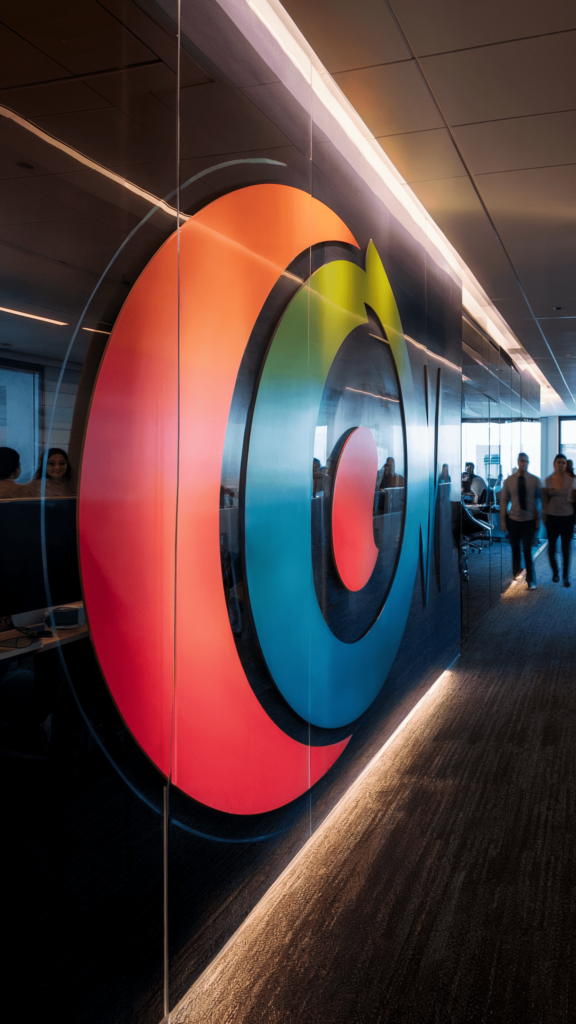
<point>522,492</point>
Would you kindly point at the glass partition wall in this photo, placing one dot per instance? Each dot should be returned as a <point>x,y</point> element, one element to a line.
<point>230,389</point>
<point>500,418</point>
<point>88,119</point>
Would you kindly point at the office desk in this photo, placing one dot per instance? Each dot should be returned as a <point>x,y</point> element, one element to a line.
<point>60,638</point>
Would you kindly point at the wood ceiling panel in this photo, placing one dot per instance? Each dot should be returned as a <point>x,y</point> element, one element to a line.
<point>421,156</point>
<point>532,76</point>
<point>539,141</point>
<point>435,26</point>
<point>347,36</point>
<point>391,98</point>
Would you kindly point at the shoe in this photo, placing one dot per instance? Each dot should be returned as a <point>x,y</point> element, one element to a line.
<point>532,586</point>
<point>566,583</point>
<point>555,578</point>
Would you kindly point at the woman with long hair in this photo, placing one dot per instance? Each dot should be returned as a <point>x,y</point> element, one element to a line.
<point>9,473</point>
<point>58,483</point>
<point>558,515</point>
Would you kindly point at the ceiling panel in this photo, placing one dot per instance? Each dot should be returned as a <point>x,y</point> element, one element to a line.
<point>105,135</point>
<point>215,120</point>
<point>535,213</point>
<point>421,156</point>
<point>20,147</point>
<point>80,37</point>
<point>561,336</point>
<point>346,36</point>
<point>456,209</point>
<point>391,98</point>
<point>21,62</point>
<point>532,76</point>
<point>22,205</point>
<point>507,145</point>
<point>434,26</point>
<point>60,98</point>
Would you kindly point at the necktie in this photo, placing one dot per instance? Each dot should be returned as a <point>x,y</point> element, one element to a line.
<point>522,492</point>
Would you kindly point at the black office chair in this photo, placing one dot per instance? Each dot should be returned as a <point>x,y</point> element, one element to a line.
<point>475,530</point>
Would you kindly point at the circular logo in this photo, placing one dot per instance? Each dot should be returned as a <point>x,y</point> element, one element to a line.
<point>150,521</point>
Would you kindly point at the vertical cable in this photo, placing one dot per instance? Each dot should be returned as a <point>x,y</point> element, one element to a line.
<point>166,805</point>
<point>165,898</point>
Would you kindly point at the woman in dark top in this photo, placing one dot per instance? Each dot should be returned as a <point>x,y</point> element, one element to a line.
<point>558,515</point>
<point>58,483</point>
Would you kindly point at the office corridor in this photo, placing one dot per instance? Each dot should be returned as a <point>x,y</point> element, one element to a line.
<point>444,889</point>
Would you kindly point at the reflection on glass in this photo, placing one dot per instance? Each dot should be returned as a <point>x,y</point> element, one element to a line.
<point>361,391</point>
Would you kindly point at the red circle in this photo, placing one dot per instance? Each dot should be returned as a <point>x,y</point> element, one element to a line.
<point>151,570</point>
<point>355,552</point>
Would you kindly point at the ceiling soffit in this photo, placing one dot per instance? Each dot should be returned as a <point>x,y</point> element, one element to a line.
<point>475,104</point>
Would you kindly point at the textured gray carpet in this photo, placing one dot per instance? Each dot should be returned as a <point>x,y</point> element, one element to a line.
<point>444,889</point>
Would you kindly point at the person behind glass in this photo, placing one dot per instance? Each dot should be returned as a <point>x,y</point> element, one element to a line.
<point>390,478</point>
<point>522,492</point>
<point>570,471</point>
<point>9,473</point>
<point>477,484</point>
<point>558,515</point>
<point>58,482</point>
<point>468,495</point>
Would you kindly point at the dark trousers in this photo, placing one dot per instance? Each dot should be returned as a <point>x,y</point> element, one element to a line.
<point>560,526</point>
<point>522,534</point>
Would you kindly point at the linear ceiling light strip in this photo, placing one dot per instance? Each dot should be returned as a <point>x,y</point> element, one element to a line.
<point>75,154</point>
<point>281,27</point>
<point>33,316</point>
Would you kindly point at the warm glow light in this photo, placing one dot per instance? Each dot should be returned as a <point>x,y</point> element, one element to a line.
<point>32,316</point>
<point>474,299</point>
<point>383,398</point>
<point>29,126</point>
<point>351,796</point>
<point>95,330</point>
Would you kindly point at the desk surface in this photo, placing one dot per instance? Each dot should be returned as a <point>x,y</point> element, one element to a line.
<point>61,637</point>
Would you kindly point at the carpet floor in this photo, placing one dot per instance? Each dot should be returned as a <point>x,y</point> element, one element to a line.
<point>443,889</point>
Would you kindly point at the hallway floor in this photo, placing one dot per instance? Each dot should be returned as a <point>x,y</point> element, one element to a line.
<point>444,888</point>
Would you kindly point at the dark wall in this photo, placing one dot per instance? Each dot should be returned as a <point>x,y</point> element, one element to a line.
<point>93,876</point>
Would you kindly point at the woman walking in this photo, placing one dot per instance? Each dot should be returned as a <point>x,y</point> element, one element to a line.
<point>558,514</point>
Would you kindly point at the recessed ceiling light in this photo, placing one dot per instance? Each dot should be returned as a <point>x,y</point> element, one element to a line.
<point>558,307</point>
<point>95,330</point>
<point>32,316</point>
<point>28,167</point>
<point>5,344</point>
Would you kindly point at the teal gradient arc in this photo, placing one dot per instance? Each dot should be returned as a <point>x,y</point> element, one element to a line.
<point>327,682</point>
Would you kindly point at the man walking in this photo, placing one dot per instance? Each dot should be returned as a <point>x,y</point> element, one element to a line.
<point>522,492</point>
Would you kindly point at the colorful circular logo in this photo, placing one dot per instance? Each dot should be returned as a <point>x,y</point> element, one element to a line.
<point>150,514</point>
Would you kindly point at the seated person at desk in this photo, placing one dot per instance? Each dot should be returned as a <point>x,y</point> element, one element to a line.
<point>58,483</point>
<point>468,495</point>
<point>477,484</point>
<point>9,473</point>
<point>390,478</point>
